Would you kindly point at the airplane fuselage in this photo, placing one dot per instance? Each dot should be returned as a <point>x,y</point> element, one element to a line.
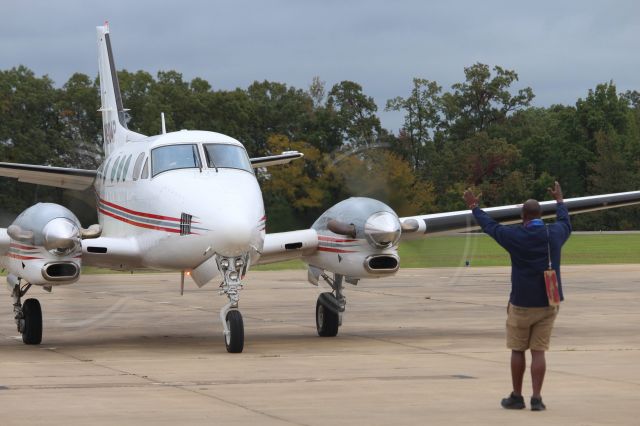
<point>182,197</point>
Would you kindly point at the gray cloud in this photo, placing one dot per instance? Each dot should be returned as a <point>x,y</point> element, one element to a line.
<point>560,49</point>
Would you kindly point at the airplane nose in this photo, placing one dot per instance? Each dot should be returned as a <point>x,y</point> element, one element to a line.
<point>234,236</point>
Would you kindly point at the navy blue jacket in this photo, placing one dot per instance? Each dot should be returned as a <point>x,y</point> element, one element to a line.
<point>527,247</point>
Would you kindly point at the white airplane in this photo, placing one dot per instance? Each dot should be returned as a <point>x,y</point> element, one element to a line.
<point>189,201</point>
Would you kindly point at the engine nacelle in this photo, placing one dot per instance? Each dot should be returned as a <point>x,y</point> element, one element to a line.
<point>357,238</point>
<point>45,246</point>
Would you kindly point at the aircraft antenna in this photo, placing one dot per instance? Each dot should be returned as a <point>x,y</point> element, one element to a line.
<point>164,128</point>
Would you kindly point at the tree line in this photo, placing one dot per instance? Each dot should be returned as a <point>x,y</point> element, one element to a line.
<point>481,132</point>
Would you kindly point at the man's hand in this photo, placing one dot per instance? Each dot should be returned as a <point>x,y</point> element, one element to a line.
<point>471,199</point>
<point>556,192</point>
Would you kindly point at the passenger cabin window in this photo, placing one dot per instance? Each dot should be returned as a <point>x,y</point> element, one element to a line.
<point>106,170</point>
<point>120,167</point>
<point>138,166</point>
<point>114,168</point>
<point>145,169</point>
<point>126,168</point>
<point>172,157</point>
<point>227,156</point>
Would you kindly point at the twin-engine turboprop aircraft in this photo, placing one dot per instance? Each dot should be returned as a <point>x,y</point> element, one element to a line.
<point>152,214</point>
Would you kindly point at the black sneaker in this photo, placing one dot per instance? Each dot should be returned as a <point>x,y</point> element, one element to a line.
<point>514,402</point>
<point>537,405</point>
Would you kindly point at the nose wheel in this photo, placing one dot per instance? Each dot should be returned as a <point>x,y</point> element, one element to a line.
<point>234,335</point>
<point>31,322</point>
<point>330,306</point>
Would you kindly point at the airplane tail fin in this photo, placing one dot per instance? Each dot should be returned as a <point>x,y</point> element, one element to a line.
<point>114,123</point>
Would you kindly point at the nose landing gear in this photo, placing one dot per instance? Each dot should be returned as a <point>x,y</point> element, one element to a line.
<point>233,269</point>
<point>28,316</point>
<point>329,307</point>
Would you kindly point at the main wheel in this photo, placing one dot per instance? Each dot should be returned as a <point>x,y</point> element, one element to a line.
<point>327,316</point>
<point>32,329</point>
<point>234,341</point>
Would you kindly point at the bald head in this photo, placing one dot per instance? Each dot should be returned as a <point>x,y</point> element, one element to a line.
<point>531,210</point>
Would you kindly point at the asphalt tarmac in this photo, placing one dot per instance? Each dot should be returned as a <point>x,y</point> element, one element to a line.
<point>424,347</point>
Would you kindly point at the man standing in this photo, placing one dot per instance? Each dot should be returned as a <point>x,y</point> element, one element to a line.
<point>530,318</point>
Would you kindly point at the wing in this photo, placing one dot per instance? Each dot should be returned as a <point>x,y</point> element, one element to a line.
<point>112,253</point>
<point>60,177</point>
<point>417,226</point>
<point>283,246</point>
<point>272,160</point>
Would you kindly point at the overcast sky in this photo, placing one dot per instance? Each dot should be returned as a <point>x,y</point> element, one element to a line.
<point>559,49</point>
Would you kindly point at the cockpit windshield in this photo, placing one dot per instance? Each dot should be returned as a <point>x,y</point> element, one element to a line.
<point>227,156</point>
<point>171,157</point>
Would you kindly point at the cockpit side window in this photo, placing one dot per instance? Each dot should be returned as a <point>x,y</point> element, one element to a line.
<point>227,156</point>
<point>172,157</point>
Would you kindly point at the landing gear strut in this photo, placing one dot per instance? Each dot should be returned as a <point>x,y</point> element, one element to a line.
<point>28,316</point>
<point>330,306</point>
<point>232,269</point>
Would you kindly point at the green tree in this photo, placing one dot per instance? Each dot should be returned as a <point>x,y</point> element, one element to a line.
<point>356,122</point>
<point>295,193</point>
<point>422,118</point>
<point>81,122</point>
<point>482,100</point>
<point>276,109</point>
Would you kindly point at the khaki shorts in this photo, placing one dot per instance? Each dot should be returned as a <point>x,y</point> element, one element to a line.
<point>530,328</point>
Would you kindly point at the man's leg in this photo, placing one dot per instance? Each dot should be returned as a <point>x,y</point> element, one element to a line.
<point>518,342</point>
<point>518,366</point>
<point>538,369</point>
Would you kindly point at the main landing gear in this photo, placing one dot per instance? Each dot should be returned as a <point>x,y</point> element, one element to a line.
<point>28,316</point>
<point>330,306</point>
<point>232,269</point>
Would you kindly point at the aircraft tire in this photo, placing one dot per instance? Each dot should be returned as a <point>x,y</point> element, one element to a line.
<point>327,316</point>
<point>234,341</point>
<point>32,330</point>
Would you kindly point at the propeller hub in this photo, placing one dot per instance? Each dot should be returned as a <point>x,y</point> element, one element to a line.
<point>61,236</point>
<point>383,229</point>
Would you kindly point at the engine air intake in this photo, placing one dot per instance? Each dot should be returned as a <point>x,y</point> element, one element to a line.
<point>382,264</point>
<point>60,271</point>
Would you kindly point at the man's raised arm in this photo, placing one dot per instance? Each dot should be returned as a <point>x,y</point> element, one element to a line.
<point>562,214</point>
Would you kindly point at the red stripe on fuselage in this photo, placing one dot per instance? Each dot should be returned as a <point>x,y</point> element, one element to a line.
<point>334,240</point>
<point>139,224</point>
<point>137,213</point>
<point>20,257</point>
<point>335,250</point>
<point>22,247</point>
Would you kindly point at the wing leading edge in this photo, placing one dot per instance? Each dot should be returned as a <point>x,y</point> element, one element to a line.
<point>418,226</point>
<point>61,177</point>
<point>282,246</point>
<point>272,160</point>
